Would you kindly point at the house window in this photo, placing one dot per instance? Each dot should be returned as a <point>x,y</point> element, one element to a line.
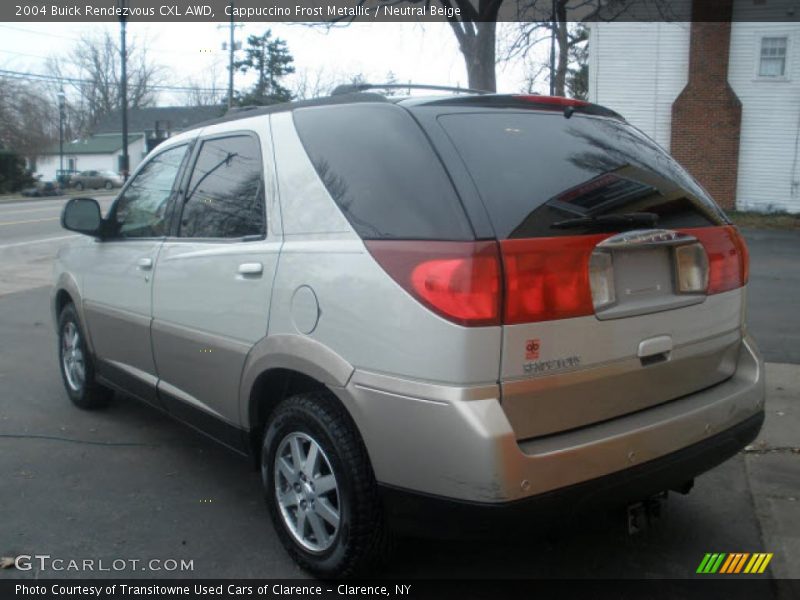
<point>773,57</point>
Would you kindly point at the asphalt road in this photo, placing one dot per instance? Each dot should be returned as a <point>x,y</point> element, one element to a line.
<point>30,234</point>
<point>132,483</point>
<point>127,482</point>
<point>773,298</point>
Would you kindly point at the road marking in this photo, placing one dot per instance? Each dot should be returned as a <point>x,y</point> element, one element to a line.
<point>30,221</point>
<point>6,212</point>
<point>52,239</point>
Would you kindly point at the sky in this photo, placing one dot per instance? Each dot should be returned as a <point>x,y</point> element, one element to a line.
<point>192,52</point>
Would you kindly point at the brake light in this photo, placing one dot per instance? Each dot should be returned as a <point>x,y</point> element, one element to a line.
<point>728,259</point>
<point>552,100</point>
<point>458,280</point>
<point>548,278</point>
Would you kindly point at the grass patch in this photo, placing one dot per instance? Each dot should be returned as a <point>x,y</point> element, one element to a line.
<point>772,220</point>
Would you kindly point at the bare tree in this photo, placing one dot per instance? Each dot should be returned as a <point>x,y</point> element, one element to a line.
<point>476,33</point>
<point>28,117</point>
<point>91,76</point>
<point>308,83</point>
<point>563,22</point>
<point>475,28</point>
<point>204,91</point>
<point>570,51</point>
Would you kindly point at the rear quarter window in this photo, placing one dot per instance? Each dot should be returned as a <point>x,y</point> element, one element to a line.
<point>380,169</point>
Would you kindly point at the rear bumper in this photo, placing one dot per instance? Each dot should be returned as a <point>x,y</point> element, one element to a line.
<point>456,443</point>
<point>420,514</point>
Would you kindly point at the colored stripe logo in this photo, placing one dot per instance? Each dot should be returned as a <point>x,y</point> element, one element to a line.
<point>735,562</point>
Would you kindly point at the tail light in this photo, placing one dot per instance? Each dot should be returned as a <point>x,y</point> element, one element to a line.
<point>728,259</point>
<point>543,279</point>
<point>461,281</point>
<point>548,278</point>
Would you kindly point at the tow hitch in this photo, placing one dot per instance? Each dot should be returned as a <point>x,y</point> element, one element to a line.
<point>643,514</point>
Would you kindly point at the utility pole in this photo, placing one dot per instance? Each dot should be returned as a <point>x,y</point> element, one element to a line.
<point>553,50</point>
<point>123,91</point>
<point>61,99</point>
<point>231,53</point>
<point>230,63</point>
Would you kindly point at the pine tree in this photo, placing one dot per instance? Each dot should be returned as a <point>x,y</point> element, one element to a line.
<point>270,58</point>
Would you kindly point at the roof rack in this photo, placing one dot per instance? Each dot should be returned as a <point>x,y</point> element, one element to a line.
<point>351,88</point>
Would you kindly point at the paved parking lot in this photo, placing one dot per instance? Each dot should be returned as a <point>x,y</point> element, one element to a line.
<point>128,482</point>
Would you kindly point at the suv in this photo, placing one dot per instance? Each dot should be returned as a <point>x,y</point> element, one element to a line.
<point>444,310</point>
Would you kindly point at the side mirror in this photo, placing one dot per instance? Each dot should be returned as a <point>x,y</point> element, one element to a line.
<point>82,215</point>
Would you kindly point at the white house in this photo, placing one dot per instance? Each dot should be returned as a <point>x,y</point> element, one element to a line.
<point>723,97</point>
<point>100,152</point>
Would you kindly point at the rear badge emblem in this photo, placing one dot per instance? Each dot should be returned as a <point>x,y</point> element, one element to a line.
<point>532,349</point>
<point>548,366</point>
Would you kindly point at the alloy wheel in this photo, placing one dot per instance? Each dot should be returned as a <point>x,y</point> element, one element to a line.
<point>72,360</point>
<point>307,492</point>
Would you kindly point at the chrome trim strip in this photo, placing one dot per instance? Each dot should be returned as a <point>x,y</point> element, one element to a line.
<point>167,388</point>
<point>134,372</point>
<point>647,237</point>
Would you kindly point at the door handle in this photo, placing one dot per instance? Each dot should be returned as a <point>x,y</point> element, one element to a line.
<point>145,264</point>
<point>251,268</point>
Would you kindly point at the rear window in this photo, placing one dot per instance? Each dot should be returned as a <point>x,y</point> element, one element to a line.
<point>538,171</point>
<point>380,169</point>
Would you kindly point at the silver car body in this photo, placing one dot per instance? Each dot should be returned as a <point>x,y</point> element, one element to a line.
<point>192,326</point>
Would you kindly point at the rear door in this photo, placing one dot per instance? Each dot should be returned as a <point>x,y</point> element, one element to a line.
<point>212,286</point>
<point>623,279</point>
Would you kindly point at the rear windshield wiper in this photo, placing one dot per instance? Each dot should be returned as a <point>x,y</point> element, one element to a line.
<point>643,219</point>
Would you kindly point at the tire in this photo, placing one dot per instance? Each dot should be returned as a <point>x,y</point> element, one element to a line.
<point>108,185</point>
<point>79,381</point>
<point>360,539</point>
<point>79,186</point>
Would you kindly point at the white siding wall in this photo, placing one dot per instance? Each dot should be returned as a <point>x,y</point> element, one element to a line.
<point>769,169</point>
<point>136,153</point>
<point>638,69</point>
<point>46,166</point>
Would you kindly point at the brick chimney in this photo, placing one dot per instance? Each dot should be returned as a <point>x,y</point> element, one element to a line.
<point>707,115</point>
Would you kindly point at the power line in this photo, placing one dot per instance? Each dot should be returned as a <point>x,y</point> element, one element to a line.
<point>33,31</point>
<point>23,54</point>
<point>77,39</point>
<point>56,78</point>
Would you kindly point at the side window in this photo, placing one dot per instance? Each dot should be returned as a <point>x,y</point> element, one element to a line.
<point>141,211</point>
<point>225,196</point>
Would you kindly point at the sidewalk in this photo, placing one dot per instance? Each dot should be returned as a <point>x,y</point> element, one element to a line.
<point>773,471</point>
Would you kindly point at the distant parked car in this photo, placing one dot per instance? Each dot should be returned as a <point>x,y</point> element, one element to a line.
<point>64,176</point>
<point>46,188</point>
<point>96,180</point>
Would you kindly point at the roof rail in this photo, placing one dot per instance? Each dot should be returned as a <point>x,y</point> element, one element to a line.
<point>350,88</point>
